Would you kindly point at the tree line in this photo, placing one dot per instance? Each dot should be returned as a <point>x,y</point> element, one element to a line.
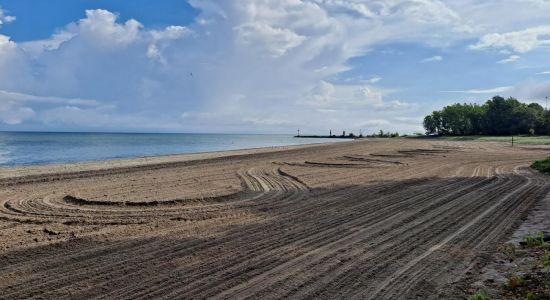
<point>497,116</point>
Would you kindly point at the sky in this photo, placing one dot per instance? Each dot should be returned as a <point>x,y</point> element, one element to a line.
<point>263,66</point>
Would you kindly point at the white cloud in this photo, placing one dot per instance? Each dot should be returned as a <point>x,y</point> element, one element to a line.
<point>35,48</point>
<point>374,123</point>
<point>99,31</point>
<point>9,19</point>
<point>544,73</point>
<point>153,52</point>
<point>349,7</point>
<point>170,33</point>
<point>408,120</point>
<point>396,104</point>
<point>519,41</point>
<point>432,59</point>
<point>492,16</point>
<point>102,30</point>
<point>530,90</point>
<point>390,124</point>
<point>270,121</point>
<point>538,2</point>
<point>4,18</point>
<point>510,59</point>
<point>5,42</point>
<point>161,39</point>
<point>323,93</point>
<point>373,80</point>
<point>276,41</point>
<point>496,90</point>
<point>20,97</point>
<point>12,113</point>
<point>352,97</point>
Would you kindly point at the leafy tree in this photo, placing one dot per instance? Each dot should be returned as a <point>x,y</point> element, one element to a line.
<point>525,119</point>
<point>457,119</point>
<point>430,124</point>
<point>498,116</point>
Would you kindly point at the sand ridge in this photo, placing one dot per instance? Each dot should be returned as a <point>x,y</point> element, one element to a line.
<point>374,219</point>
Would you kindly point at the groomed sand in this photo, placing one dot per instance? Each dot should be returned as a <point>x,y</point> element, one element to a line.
<point>370,219</point>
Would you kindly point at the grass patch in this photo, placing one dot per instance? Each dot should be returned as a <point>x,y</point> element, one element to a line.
<point>542,165</point>
<point>518,139</point>
<point>532,296</point>
<point>528,277</point>
<point>515,282</point>
<point>481,295</point>
<point>509,250</point>
<point>533,240</point>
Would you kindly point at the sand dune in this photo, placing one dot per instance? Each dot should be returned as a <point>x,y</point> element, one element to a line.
<point>380,219</point>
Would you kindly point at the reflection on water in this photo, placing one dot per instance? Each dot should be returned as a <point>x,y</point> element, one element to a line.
<point>31,148</point>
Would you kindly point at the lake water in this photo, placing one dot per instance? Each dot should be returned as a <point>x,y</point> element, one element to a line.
<point>35,148</point>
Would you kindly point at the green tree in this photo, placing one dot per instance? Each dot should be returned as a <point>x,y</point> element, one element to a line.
<point>539,115</point>
<point>478,118</point>
<point>430,125</point>
<point>457,119</point>
<point>498,116</point>
<point>525,119</point>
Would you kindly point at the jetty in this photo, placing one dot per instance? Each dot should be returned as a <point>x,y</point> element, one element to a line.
<point>330,136</point>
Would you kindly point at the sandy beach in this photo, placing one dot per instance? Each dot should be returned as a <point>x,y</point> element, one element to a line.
<point>368,219</point>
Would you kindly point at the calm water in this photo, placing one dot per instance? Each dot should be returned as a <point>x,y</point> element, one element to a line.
<point>32,148</point>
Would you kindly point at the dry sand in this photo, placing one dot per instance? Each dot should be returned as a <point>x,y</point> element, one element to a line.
<point>379,219</point>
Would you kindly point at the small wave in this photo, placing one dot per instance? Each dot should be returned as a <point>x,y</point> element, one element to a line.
<point>5,156</point>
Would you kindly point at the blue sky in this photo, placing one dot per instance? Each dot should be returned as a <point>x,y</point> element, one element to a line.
<point>39,19</point>
<point>264,66</point>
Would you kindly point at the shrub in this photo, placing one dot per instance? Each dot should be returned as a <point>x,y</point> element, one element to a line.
<point>546,259</point>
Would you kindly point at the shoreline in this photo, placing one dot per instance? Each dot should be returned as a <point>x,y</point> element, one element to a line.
<point>130,162</point>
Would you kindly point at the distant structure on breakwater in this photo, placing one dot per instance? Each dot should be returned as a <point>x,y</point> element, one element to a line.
<point>331,136</point>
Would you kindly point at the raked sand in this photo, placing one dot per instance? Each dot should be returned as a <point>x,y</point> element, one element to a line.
<point>369,219</point>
